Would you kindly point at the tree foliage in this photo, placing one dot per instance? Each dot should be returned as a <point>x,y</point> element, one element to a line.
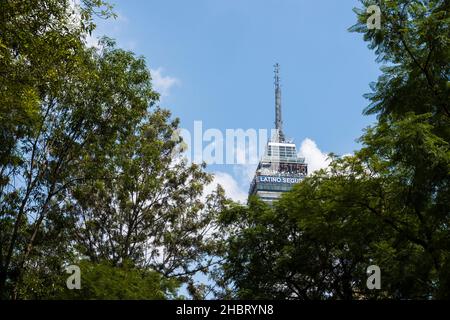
<point>386,205</point>
<point>89,168</point>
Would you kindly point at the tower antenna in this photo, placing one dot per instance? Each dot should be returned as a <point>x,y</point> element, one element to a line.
<point>278,118</point>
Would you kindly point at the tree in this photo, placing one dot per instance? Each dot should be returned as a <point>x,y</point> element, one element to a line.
<point>411,99</point>
<point>319,239</point>
<point>92,106</point>
<point>312,244</point>
<point>39,48</point>
<point>39,44</point>
<point>89,157</point>
<point>147,208</point>
<point>412,43</point>
<point>100,281</point>
<point>387,205</point>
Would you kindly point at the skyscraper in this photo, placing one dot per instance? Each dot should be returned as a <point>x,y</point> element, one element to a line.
<point>280,168</point>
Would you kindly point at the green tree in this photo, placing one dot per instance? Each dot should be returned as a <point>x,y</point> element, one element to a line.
<point>413,45</point>
<point>40,45</point>
<point>89,157</point>
<point>148,206</point>
<point>318,240</point>
<point>387,205</point>
<point>100,281</point>
<point>92,106</point>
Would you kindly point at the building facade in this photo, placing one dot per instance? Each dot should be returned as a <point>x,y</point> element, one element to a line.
<point>280,168</point>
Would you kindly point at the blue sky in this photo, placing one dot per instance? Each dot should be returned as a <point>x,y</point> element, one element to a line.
<point>213,61</point>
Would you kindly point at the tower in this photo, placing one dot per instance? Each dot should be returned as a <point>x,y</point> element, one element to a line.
<point>280,168</point>
<point>278,118</point>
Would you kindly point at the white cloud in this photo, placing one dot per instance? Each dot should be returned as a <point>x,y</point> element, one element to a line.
<point>236,184</point>
<point>74,11</point>
<point>247,158</point>
<point>162,84</point>
<point>347,155</point>
<point>74,14</point>
<point>245,173</point>
<point>92,41</point>
<point>232,188</point>
<point>315,158</point>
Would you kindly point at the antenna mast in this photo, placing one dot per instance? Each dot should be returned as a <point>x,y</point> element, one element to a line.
<point>278,119</point>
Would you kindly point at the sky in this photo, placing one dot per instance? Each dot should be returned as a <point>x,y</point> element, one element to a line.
<point>212,61</point>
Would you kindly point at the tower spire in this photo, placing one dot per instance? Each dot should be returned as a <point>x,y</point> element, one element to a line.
<point>278,119</point>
